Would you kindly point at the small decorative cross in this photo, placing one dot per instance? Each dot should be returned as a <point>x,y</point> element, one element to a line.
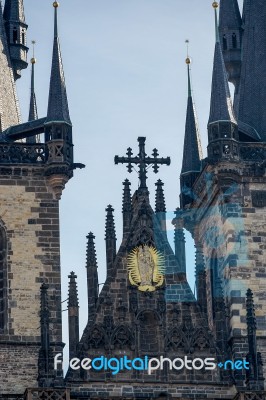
<point>142,161</point>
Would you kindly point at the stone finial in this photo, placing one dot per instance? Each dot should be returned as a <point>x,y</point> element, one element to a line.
<point>72,291</point>
<point>92,276</point>
<point>159,197</point>
<point>110,224</point>
<point>91,259</point>
<point>127,203</point>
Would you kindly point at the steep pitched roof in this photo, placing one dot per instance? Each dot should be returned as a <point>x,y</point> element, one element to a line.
<point>221,108</point>
<point>57,103</point>
<point>33,113</point>
<point>192,152</point>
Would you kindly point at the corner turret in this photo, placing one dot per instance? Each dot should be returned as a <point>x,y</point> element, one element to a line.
<point>58,127</point>
<point>16,31</point>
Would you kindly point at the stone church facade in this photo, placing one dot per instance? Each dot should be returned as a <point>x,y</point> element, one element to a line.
<point>208,345</point>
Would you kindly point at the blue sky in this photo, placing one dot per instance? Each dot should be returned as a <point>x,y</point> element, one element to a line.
<point>126,77</point>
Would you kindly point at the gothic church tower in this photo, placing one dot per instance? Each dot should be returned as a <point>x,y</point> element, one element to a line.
<point>224,206</point>
<point>32,177</point>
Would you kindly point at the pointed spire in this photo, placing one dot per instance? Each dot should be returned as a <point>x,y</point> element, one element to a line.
<point>160,200</point>
<point>127,206</point>
<point>160,208</point>
<point>73,316</point>
<point>92,276</point>
<point>58,104</point>
<point>221,108</point>
<point>33,113</point>
<point>192,152</point>
<point>72,291</point>
<point>110,224</point>
<point>110,238</point>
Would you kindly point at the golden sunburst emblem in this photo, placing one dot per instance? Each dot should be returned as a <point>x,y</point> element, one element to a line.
<point>146,268</point>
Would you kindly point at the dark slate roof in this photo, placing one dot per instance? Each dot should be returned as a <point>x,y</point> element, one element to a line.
<point>229,14</point>
<point>57,103</point>
<point>252,92</point>
<point>14,11</point>
<point>33,113</point>
<point>23,130</point>
<point>192,152</point>
<point>221,108</point>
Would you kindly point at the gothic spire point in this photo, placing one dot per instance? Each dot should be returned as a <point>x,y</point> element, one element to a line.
<point>192,152</point>
<point>57,104</point>
<point>72,290</point>
<point>221,108</point>
<point>127,207</point>
<point>91,252</point>
<point>188,62</point>
<point>215,5</point>
<point>110,224</point>
<point>55,5</point>
<point>33,113</point>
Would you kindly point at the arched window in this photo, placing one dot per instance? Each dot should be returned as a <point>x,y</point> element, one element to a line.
<point>3,281</point>
<point>234,41</point>
<point>15,35</point>
<point>224,42</point>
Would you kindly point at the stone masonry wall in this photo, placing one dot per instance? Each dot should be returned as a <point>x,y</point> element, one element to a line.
<point>30,216</point>
<point>232,231</point>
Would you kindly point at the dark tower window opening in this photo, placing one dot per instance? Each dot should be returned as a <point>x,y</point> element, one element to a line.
<point>224,42</point>
<point>234,41</point>
<point>3,281</point>
<point>15,35</point>
<point>23,36</point>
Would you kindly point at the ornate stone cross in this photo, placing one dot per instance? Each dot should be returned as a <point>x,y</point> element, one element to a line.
<point>142,161</point>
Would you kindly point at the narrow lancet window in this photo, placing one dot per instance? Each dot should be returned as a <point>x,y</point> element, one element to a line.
<point>224,43</point>
<point>23,37</point>
<point>3,281</point>
<point>15,35</point>
<point>234,41</point>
